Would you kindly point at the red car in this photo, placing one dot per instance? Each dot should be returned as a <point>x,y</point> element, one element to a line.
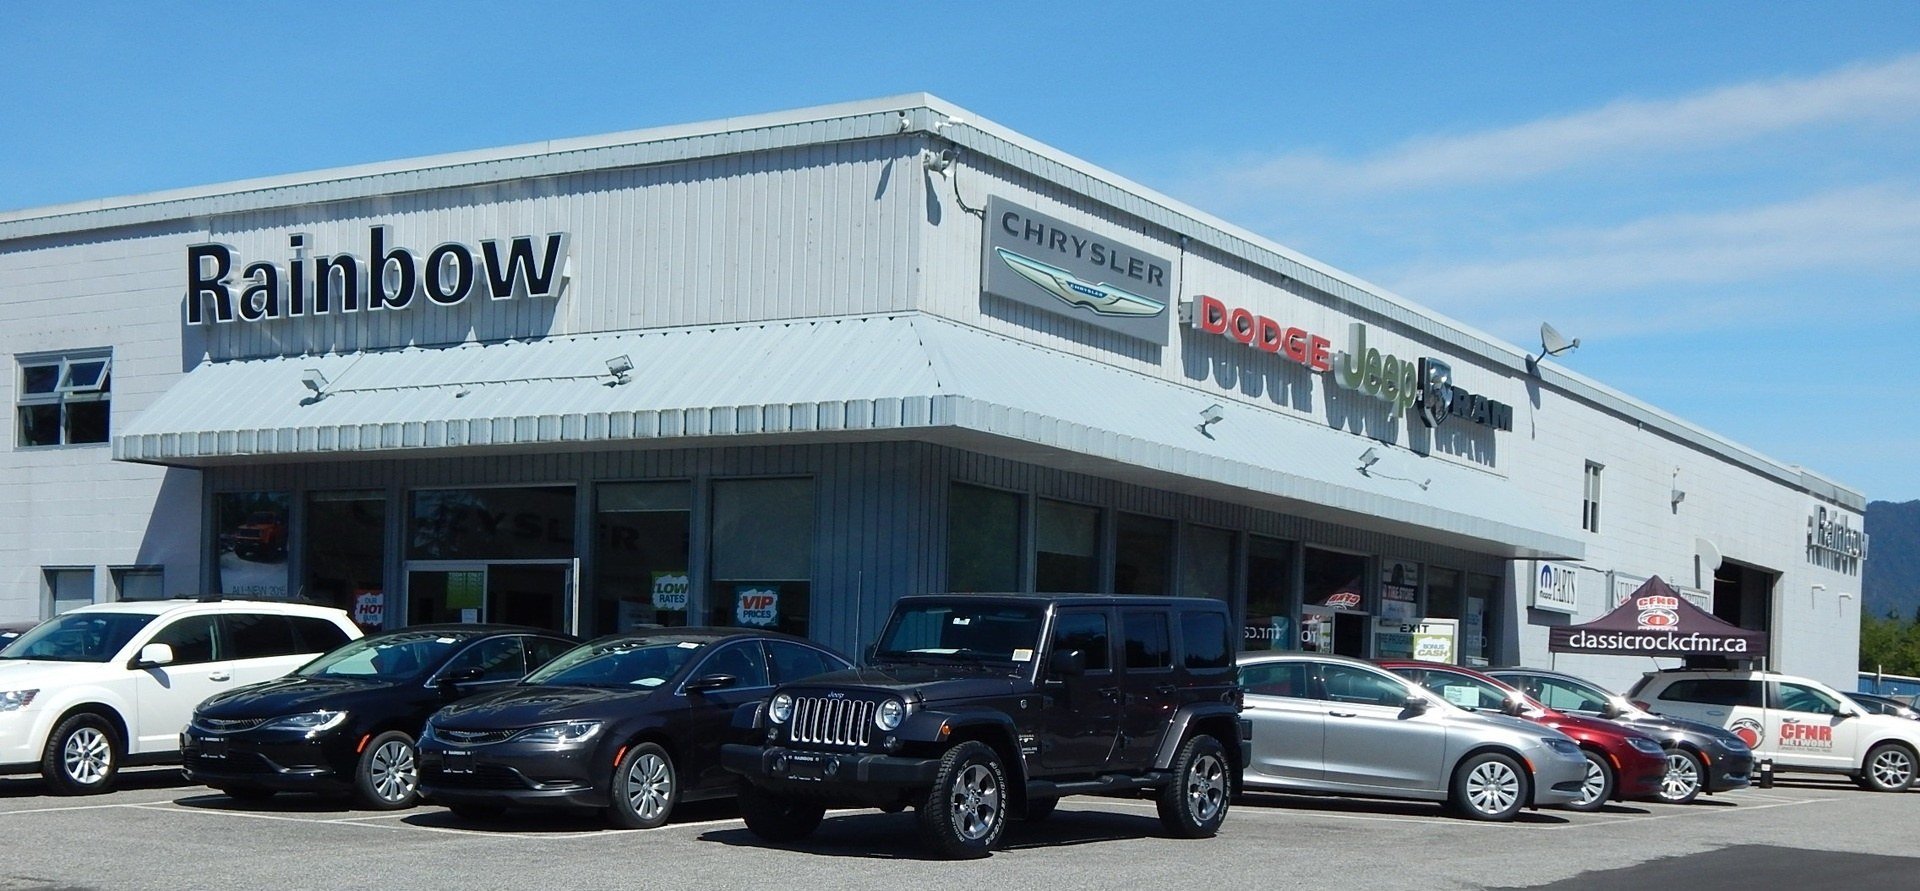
<point>1622,763</point>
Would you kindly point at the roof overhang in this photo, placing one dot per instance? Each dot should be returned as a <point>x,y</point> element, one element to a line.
<point>904,377</point>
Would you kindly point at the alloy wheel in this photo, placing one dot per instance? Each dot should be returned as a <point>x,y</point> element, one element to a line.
<point>649,786</point>
<point>87,756</point>
<point>1682,779</point>
<point>1893,768</point>
<point>1595,784</point>
<point>1493,787</point>
<point>976,802</point>
<point>1207,787</point>
<point>394,771</point>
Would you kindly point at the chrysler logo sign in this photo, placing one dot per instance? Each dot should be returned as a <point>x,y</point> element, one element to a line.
<point>1066,270</point>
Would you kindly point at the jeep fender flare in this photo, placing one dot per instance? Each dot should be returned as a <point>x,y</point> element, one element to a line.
<point>1200,714</point>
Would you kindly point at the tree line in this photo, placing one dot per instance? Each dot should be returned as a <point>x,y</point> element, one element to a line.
<point>1890,644</point>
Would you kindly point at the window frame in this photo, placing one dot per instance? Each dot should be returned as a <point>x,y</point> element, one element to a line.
<point>63,394</point>
<point>1590,497</point>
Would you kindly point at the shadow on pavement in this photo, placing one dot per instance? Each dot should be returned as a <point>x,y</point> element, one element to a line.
<point>28,785</point>
<point>1378,807</point>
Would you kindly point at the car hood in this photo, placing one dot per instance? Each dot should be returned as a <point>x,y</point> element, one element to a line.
<point>1658,725</point>
<point>1573,724</point>
<point>527,705</point>
<point>1518,725</point>
<point>928,682</point>
<point>27,674</point>
<point>293,694</point>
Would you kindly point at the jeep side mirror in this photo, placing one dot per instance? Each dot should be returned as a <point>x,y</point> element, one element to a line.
<point>1067,663</point>
<point>154,656</point>
<point>708,682</point>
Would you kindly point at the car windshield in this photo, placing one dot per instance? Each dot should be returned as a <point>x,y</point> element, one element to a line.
<point>618,663</point>
<point>78,637</point>
<point>395,656</point>
<point>970,632</point>
<point>1470,693</point>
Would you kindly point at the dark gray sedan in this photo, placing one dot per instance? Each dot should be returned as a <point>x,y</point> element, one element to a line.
<point>1331,725</point>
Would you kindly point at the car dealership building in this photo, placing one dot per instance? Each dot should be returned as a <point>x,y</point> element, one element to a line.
<point>782,370</point>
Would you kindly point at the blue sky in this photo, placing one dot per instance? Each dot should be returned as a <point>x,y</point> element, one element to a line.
<point>1722,200</point>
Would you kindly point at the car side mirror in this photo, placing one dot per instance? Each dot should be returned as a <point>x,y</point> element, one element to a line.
<point>451,682</point>
<point>154,656</point>
<point>708,682</point>
<point>1611,711</point>
<point>1416,704</point>
<point>1513,706</point>
<point>1067,663</point>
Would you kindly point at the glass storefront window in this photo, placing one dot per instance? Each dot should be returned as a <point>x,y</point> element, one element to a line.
<point>529,523</point>
<point>345,546</point>
<point>1335,580</point>
<point>1067,547</point>
<point>1443,593</point>
<point>1477,619</point>
<point>762,554</point>
<point>1142,555</point>
<point>1207,570</point>
<point>983,539</point>
<point>1269,618</point>
<point>250,544</point>
<point>643,534</point>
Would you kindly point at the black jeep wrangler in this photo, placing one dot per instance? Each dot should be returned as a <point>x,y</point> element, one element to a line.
<point>974,708</point>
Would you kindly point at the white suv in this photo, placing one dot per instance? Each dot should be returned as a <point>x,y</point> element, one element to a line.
<point>1801,724</point>
<point>91,690</point>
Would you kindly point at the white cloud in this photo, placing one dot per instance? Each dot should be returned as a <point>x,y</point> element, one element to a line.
<point>1888,91</point>
<point>1870,227</point>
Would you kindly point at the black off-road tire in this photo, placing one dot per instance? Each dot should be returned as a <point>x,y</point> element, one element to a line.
<point>1489,786</point>
<point>82,756</point>
<point>779,819</point>
<point>1195,802</point>
<point>645,788</point>
<point>965,813</point>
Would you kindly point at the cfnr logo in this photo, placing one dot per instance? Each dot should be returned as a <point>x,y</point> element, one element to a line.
<point>388,278</point>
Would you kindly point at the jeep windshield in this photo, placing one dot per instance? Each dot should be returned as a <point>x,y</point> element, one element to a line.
<point>962,632</point>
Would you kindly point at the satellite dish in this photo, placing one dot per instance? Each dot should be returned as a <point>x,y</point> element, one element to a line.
<point>1552,344</point>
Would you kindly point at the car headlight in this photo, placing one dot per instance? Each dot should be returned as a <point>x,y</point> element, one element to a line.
<point>1645,745</point>
<point>1561,746</point>
<point>889,714</point>
<point>12,700</point>
<point>780,710</point>
<point>566,734</point>
<point>1731,743</point>
<point>314,723</point>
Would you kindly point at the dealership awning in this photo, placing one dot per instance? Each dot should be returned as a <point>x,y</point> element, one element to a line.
<point>907,376</point>
<point>1656,621</point>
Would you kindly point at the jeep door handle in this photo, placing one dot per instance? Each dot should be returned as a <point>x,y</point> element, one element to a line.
<point>220,676</point>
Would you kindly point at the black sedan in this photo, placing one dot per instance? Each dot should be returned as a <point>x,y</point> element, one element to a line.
<point>347,721</point>
<point>630,723</point>
<point>1700,757</point>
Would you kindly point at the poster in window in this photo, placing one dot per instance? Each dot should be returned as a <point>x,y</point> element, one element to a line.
<point>250,535</point>
<point>757,607</point>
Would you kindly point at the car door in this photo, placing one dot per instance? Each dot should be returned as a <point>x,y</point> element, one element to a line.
<point>1289,723</point>
<point>167,694</point>
<point>1735,703</point>
<point>1811,727</point>
<point>1147,686</point>
<point>260,646</point>
<point>1373,741</point>
<point>708,718</point>
<point>1080,713</point>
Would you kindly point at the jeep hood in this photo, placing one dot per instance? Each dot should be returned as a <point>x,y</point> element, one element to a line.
<point>927,682</point>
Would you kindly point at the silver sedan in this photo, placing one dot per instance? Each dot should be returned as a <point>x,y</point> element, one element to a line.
<point>1329,724</point>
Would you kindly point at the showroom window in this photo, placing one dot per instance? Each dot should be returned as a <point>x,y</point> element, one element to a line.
<point>1067,547</point>
<point>1142,555</point>
<point>1590,499</point>
<point>250,544</point>
<point>64,399</point>
<point>762,554</point>
<point>345,537</point>
<point>983,539</point>
<point>139,583</point>
<point>67,588</point>
<point>1269,617</point>
<point>1479,619</point>
<point>1206,564</point>
<point>643,536</point>
<point>532,523</point>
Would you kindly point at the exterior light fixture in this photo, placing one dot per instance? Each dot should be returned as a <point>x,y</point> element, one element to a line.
<point>619,367</point>
<point>315,381</point>
<point>1209,416</point>
<point>1368,458</point>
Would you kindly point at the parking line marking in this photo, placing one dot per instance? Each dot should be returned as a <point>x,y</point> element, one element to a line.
<point>450,830</point>
<point>1642,818</point>
<point>76,807</point>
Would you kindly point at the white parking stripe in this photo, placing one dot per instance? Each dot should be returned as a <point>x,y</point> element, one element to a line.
<point>367,822</point>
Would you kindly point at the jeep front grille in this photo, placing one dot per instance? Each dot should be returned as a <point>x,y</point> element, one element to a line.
<point>832,722</point>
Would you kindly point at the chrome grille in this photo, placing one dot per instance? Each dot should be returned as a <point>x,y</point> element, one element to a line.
<point>832,722</point>
<point>217,725</point>
<point>472,737</point>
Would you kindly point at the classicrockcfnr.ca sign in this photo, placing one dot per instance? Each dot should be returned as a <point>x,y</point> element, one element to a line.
<point>389,278</point>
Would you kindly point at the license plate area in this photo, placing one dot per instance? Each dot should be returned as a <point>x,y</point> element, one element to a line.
<point>213,747</point>
<point>807,767</point>
<point>457,762</point>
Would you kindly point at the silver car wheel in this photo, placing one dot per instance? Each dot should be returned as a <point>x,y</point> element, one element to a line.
<point>649,786</point>
<point>393,770</point>
<point>976,803</point>
<point>87,756</point>
<point>1492,787</point>
<point>1893,768</point>
<point>1595,785</point>
<point>1207,787</point>
<point>1682,779</point>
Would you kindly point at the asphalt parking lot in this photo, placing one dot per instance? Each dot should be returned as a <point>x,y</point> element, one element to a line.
<point>157,831</point>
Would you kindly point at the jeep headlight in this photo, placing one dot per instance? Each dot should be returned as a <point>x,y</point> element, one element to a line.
<point>565,734</point>
<point>889,714</point>
<point>1646,745</point>
<point>13,700</point>
<point>780,710</point>
<point>314,723</point>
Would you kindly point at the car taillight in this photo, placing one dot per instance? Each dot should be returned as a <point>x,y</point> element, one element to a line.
<point>1640,705</point>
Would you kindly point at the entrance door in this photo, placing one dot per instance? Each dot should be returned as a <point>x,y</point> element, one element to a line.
<point>533,594</point>
<point>1327,630</point>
